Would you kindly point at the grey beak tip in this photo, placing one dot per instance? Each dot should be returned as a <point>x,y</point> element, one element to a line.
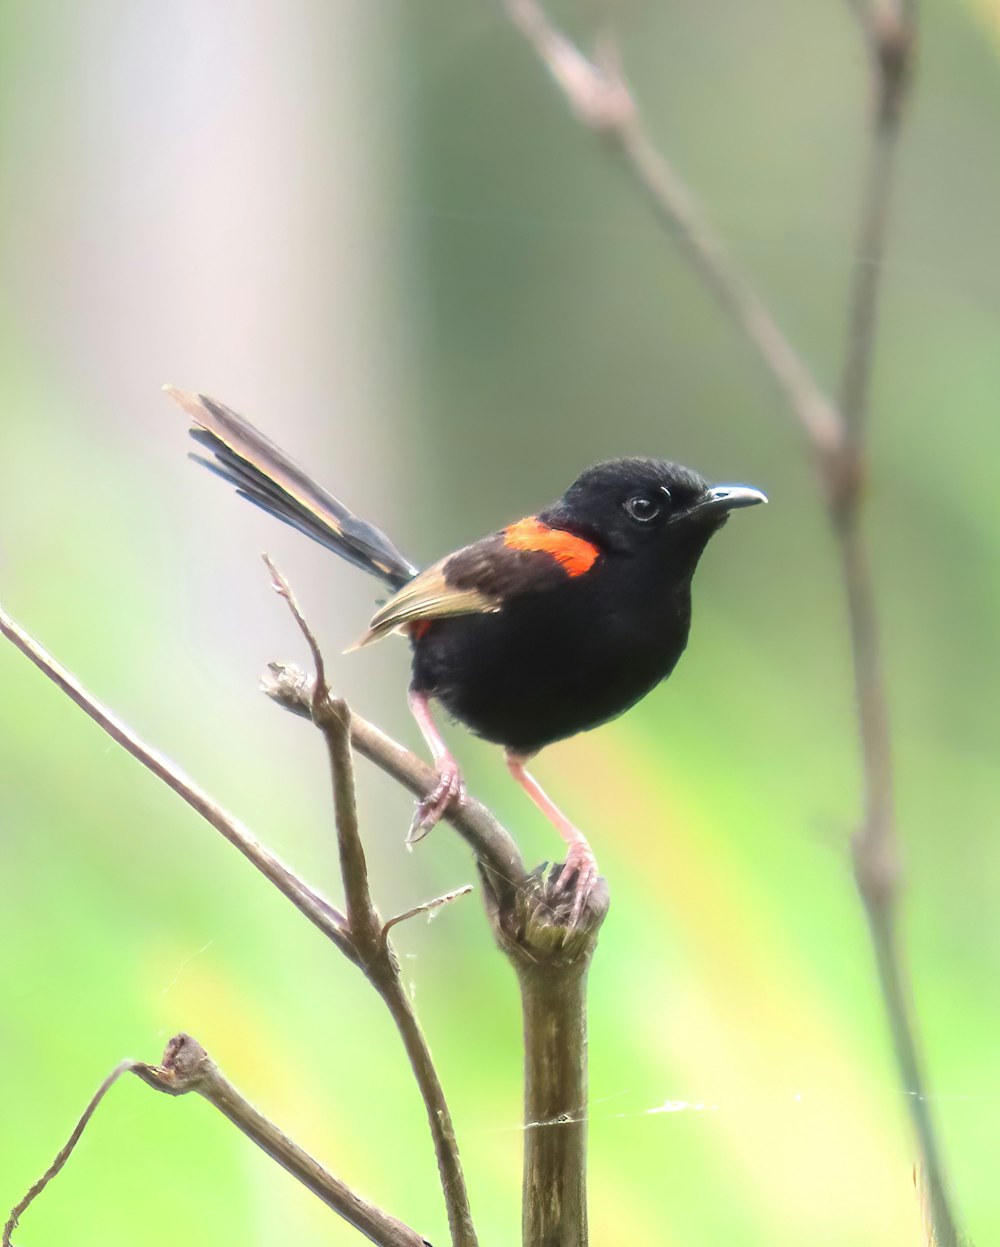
<point>734,496</point>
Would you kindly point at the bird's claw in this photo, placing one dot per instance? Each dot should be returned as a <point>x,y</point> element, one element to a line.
<point>578,879</point>
<point>448,791</point>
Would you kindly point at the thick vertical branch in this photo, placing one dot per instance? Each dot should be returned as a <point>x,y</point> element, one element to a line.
<point>551,955</point>
<point>554,1211</point>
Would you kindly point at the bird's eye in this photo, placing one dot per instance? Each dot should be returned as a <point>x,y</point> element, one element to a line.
<point>643,509</point>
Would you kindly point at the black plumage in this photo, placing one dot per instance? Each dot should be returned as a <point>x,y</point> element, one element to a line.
<point>549,627</point>
<point>569,652</point>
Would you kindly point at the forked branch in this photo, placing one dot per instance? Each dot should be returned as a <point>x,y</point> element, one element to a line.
<point>365,943</point>
<point>368,933</point>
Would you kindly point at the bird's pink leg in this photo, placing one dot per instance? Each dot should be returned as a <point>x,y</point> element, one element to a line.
<point>580,861</point>
<point>449,786</point>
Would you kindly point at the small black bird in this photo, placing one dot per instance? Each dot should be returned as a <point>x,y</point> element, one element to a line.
<point>549,627</point>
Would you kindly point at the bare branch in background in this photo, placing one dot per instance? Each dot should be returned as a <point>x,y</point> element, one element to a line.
<point>875,845</point>
<point>186,1066</point>
<point>890,35</point>
<point>599,97</point>
<point>601,100</point>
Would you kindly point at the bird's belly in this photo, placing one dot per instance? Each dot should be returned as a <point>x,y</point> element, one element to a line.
<point>519,680</point>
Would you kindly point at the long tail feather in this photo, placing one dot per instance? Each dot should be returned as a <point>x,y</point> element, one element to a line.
<point>264,474</point>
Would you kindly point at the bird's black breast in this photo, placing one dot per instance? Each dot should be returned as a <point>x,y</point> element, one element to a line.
<point>554,663</point>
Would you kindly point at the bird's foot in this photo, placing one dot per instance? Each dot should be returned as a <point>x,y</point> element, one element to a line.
<point>578,878</point>
<point>449,790</point>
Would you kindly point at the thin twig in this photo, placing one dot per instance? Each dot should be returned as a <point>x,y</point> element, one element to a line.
<point>333,718</point>
<point>428,907</point>
<point>439,1119</point>
<point>281,586</point>
<point>320,912</point>
<point>187,1067</point>
<point>65,1152</point>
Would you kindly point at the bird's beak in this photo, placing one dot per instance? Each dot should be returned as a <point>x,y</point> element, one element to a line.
<point>721,499</point>
<point>730,497</point>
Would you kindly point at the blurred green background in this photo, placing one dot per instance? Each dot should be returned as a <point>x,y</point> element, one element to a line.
<point>374,229</point>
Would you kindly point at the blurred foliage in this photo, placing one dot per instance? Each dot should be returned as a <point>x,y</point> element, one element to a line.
<point>375,230</point>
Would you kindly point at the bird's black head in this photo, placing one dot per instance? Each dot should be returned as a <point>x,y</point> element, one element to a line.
<point>628,506</point>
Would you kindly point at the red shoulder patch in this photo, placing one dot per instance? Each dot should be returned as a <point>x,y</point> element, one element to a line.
<point>573,553</point>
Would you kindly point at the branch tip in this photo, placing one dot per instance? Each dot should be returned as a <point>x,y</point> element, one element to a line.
<point>596,93</point>
<point>281,586</point>
<point>66,1151</point>
<point>187,1067</point>
<point>429,908</point>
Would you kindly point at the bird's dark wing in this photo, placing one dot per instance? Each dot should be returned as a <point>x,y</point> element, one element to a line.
<point>526,557</point>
